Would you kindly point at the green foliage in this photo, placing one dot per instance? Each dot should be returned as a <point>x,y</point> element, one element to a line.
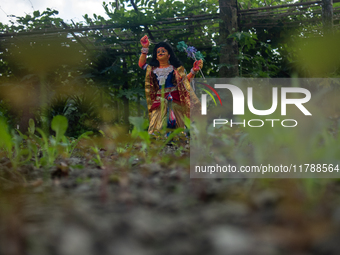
<point>257,59</point>
<point>97,158</point>
<point>11,143</point>
<point>50,147</point>
<point>81,112</point>
<point>59,105</point>
<point>31,128</point>
<point>39,20</point>
<point>7,113</point>
<point>6,139</point>
<point>84,115</point>
<point>249,4</point>
<point>57,145</point>
<point>187,122</point>
<point>59,125</point>
<point>140,128</point>
<point>153,144</point>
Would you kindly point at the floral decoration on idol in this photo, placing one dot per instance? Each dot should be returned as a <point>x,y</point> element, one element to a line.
<point>191,52</point>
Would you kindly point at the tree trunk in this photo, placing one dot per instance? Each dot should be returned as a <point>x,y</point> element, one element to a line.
<point>126,108</point>
<point>327,16</point>
<point>115,109</point>
<point>229,47</point>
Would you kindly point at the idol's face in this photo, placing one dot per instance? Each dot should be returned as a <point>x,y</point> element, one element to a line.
<point>162,54</point>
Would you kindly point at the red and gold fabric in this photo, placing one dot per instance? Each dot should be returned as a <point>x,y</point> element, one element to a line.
<point>181,93</point>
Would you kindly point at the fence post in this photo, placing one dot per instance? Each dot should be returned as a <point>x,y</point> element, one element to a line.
<point>327,16</point>
<point>229,47</point>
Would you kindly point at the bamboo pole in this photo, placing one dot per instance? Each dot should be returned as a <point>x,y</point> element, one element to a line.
<point>276,12</point>
<point>282,6</point>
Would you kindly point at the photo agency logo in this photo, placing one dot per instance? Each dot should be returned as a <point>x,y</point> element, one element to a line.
<point>301,97</point>
<point>266,128</point>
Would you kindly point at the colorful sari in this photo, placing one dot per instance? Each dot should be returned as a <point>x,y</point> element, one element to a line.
<point>160,108</point>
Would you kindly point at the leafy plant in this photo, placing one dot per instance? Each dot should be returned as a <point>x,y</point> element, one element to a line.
<point>97,159</point>
<point>83,116</point>
<point>59,105</point>
<point>11,144</point>
<point>5,112</point>
<point>256,59</point>
<point>140,126</point>
<point>54,146</point>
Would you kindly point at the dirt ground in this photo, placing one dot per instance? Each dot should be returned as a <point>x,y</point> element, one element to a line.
<point>78,208</point>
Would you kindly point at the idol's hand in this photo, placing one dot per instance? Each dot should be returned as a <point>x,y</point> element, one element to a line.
<point>145,41</point>
<point>198,65</point>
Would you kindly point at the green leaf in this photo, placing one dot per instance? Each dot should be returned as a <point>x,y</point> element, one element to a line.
<point>44,137</point>
<point>139,123</point>
<point>31,128</point>
<point>59,125</point>
<point>187,122</point>
<point>5,137</point>
<point>36,14</point>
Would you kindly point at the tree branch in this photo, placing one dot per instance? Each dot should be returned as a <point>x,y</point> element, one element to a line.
<point>146,26</point>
